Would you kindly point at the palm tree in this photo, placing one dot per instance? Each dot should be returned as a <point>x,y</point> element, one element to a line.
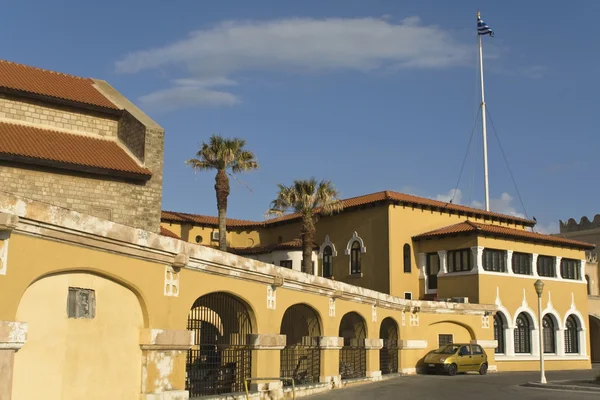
<point>223,155</point>
<point>310,199</point>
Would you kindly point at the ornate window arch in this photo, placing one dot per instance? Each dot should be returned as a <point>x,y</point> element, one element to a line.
<point>523,336</point>
<point>407,257</point>
<point>500,326</point>
<point>326,253</point>
<point>549,327</point>
<point>572,328</point>
<point>354,249</point>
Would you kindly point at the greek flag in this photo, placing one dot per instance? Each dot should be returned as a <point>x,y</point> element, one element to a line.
<point>483,29</point>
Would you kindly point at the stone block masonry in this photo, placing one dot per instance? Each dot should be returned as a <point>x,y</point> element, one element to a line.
<point>135,203</point>
<point>63,119</point>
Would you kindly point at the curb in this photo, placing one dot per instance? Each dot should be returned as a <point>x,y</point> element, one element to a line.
<point>558,386</point>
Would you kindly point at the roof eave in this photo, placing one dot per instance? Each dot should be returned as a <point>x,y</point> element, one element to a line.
<point>139,176</point>
<point>59,101</point>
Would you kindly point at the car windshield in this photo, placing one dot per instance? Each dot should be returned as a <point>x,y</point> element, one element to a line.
<point>447,349</point>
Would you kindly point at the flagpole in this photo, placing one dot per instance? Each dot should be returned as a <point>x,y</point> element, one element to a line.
<point>484,131</point>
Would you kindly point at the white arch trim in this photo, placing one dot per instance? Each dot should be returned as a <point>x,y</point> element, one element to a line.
<point>326,243</point>
<point>503,310</point>
<point>577,314</point>
<point>557,318</point>
<point>355,238</point>
<point>527,311</point>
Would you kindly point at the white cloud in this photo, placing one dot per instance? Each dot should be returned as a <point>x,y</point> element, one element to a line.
<point>190,93</point>
<point>453,194</point>
<point>502,204</point>
<point>299,44</point>
<point>550,227</point>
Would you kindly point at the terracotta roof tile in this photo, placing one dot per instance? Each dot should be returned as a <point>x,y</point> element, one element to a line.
<point>495,230</point>
<point>64,150</point>
<point>204,219</point>
<point>386,196</point>
<point>53,84</point>
<point>168,233</point>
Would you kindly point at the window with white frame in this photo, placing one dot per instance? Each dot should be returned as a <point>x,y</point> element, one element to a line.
<point>355,258</point>
<point>523,335</point>
<point>570,269</point>
<point>460,260</point>
<point>549,334</point>
<point>546,266</point>
<point>499,326</point>
<point>521,263</point>
<point>432,268</point>
<point>327,262</point>
<point>494,260</point>
<point>572,336</point>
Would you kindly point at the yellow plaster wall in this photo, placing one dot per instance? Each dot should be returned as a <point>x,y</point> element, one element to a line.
<point>459,286</point>
<point>79,358</point>
<point>236,237</point>
<point>370,223</point>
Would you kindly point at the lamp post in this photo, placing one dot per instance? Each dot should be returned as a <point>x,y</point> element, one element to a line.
<point>539,288</point>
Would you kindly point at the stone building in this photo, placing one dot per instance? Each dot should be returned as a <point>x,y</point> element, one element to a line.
<point>77,143</point>
<point>100,302</point>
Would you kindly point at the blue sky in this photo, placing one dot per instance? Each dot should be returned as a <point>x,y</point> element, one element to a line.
<point>372,95</point>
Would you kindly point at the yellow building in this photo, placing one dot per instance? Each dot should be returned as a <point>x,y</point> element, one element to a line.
<point>100,300</point>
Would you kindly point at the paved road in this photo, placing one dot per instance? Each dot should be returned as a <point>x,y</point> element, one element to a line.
<point>490,387</point>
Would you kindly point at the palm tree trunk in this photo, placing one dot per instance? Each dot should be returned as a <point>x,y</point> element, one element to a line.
<point>222,190</point>
<point>308,239</point>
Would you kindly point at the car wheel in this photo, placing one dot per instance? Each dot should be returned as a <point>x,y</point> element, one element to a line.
<point>452,369</point>
<point>483,369</point>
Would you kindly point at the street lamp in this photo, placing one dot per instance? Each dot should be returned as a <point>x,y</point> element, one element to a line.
<point>539,288</point>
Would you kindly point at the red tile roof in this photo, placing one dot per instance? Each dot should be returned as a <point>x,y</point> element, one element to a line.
<point>469,227</point>
<point>64,150</point>
<point>42,82</point>
<point>168,233</point>
<point>379,197</point>
<point>204,219</point>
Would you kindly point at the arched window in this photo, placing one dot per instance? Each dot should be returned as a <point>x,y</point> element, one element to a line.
<point>548,333</point>
<point>407,264</point>
<point>499,333</point>
<point>522,335</point>
<point>355,258</point>
<point>327,262</point>
<point>589,287</point>
<point>571,336</point>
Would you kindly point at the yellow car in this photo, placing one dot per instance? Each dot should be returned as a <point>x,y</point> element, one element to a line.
<point>459,357</point>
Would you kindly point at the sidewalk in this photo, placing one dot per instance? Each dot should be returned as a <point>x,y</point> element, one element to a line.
<point>571,385</point>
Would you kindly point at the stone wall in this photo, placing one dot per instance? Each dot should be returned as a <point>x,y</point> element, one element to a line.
<point>58,118</point>
<point>129,202</point>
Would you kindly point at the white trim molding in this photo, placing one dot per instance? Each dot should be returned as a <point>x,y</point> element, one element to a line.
<point>477,258</point>
<point>326,243</point>
<point>486,344</point>
<point>355,238</point>
<point>412,344</point>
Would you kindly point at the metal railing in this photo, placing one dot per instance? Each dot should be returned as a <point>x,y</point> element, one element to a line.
<point>280,378</point>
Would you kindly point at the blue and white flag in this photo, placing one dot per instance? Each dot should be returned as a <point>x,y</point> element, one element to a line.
<point>483,29</point>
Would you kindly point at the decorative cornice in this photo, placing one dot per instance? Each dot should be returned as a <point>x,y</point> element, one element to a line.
<point>13,335</point>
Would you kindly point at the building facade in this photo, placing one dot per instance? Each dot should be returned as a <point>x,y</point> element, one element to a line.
<point>589,231</point>
<point>102,300</point>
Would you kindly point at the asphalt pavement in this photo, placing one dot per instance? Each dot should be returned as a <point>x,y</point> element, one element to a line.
<point>501,385</point>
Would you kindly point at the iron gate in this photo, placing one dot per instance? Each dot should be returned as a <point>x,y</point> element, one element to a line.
<point>353,356</point>
<point>301,358</point>
<point>220,359</point>
<point>353,361</point>
<point>388,355</point>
